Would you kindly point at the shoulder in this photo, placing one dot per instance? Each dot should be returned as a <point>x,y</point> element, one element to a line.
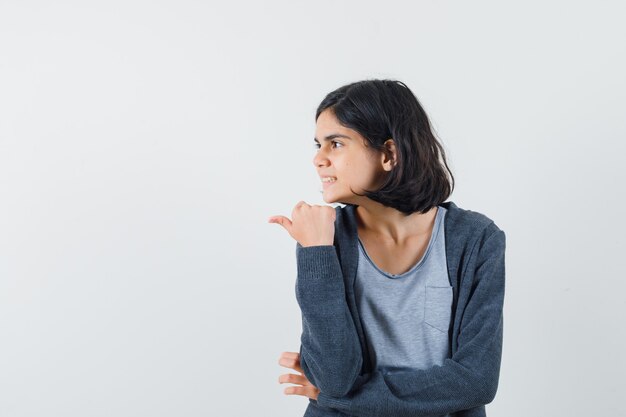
<point>468,222</point>
<point>473,239</point>
<point>471,232</point>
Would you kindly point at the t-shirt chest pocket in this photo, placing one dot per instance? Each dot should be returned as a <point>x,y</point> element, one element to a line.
<point>438,307</point>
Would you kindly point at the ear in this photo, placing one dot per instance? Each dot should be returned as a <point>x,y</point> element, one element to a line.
<point>389,156</point>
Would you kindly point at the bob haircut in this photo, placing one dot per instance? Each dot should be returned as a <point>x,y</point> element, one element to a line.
<point>387,109</point>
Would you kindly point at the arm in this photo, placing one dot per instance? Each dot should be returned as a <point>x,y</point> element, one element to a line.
<point>330,352</point>
<point>469,379</point>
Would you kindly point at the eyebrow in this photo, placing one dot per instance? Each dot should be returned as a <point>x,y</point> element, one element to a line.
<point>331,137</point>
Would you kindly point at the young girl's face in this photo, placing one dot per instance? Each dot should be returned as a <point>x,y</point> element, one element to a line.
<point>342,155</point>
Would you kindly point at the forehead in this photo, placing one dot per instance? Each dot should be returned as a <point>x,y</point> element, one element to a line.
<point>327,120</point>
<point>328,127</point>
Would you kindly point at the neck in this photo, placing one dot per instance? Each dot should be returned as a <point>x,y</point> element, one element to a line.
<point>389,224</point>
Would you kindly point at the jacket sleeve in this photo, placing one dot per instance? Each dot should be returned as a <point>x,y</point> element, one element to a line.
<point>466,380</point>
<point>330,351</point>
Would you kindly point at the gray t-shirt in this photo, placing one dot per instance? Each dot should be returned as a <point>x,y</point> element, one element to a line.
<point>406,317</point>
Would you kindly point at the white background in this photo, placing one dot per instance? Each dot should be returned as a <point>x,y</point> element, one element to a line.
<point>143,146</point>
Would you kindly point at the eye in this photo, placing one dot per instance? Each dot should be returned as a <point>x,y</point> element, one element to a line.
<point>317,145</point>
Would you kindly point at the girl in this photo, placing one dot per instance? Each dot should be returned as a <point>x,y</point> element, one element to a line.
<point>401,293</point>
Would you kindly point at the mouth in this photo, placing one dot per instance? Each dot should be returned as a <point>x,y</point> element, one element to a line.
<point>328,181</point>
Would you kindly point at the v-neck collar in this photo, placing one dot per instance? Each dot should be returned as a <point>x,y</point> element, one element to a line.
<point>349,240</point>
<point>418,264</point>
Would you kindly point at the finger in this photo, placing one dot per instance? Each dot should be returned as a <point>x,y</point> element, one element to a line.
<point>308,391</point>
<point>291,363</point>
<point>293,379</point>
<point>290,360</point>
<point>300,203</point>
<point>281,220</point>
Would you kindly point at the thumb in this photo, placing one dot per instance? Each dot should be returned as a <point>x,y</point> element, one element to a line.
<point>282,220</point>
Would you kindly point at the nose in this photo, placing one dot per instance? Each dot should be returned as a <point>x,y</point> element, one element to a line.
<point>320,159</point>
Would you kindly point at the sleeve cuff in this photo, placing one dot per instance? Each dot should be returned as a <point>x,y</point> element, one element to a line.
<point>317,261</point>
<point>326,400</point>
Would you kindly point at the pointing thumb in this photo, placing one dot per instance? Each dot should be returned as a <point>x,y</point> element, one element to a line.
<point>282,220</point>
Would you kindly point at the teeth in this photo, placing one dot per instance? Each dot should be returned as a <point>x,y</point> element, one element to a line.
<point>329,179</point>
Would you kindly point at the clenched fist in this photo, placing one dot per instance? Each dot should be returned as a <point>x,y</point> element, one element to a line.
<point>311,225</point>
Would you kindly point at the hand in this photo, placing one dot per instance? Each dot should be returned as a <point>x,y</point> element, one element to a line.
<point>311,226</point>
<point>306,389</point>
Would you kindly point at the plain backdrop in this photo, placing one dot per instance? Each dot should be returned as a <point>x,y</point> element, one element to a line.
<point>144,145</point>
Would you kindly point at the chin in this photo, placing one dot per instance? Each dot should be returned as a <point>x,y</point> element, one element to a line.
<point>328,199</point>
<point>337,199</point>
